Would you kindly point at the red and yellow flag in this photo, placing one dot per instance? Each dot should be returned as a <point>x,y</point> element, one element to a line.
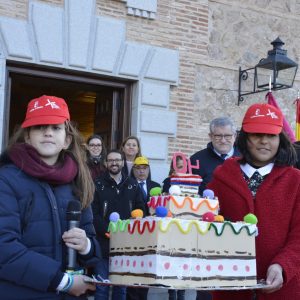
<point>297,119</point>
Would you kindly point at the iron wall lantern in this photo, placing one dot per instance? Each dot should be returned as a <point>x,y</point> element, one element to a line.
<point>276,72</point>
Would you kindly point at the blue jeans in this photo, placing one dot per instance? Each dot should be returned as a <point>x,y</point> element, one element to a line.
<point>102,291</point>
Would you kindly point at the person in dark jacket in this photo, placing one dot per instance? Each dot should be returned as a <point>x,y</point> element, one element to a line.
<point>96,152</point>
<point>221,146</point>
<point>42,170</point>
<point>115,192</point>
<point>142,173</point>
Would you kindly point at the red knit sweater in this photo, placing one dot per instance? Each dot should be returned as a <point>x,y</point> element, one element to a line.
<point>277,207</point>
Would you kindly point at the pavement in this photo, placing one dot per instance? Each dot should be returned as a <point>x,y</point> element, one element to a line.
<point>162,294</point>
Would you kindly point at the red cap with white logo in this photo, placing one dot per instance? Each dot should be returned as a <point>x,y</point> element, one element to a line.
<point>46,110</point>
<point>263,118</point>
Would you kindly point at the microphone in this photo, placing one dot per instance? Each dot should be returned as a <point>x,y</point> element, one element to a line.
<point>73,218</point>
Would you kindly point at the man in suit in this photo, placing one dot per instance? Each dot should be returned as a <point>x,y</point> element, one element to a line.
<point>141,172</point>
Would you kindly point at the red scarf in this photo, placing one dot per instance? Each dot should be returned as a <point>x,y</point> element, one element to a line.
<point>25,157</point>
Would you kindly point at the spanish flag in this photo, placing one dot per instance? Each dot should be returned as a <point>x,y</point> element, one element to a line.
<point>286,126</point>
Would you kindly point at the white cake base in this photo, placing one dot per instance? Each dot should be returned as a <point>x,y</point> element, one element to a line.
<point>182,253</point>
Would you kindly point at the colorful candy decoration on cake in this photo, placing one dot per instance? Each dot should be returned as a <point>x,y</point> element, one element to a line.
<point>251,219</point>
<point>208,217</point>
<point>209,194</point>
<point>137,213</point>
<point>156,191</point>
<point>219,219</point>
<point>114,217</point>
<point>161,211</point>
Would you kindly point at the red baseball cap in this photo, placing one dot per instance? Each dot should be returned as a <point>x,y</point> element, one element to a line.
<point>263,118</point>
<point>46,110</point>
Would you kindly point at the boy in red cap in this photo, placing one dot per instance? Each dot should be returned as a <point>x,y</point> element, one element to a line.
<point>42,171</point>
<point>263,182</point>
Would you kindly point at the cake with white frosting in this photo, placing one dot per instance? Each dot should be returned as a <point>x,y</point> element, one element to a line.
<point>182,253</point>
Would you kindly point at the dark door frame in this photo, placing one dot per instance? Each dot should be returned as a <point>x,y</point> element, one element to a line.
<point>67,75</point>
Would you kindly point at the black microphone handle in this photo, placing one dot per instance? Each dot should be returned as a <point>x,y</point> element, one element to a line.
<point>72,253</point>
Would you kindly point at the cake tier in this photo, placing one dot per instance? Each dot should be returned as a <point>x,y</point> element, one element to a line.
<point>188,183</point>
<point>186,207</point>
<point>182,253</point>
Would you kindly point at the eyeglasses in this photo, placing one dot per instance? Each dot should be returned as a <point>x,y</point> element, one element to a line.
<point>117,160</point>
<point>219,137</point>
<point>95,145</point>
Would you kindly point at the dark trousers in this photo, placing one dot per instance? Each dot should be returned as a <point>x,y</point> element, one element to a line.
<point>136,293</point>
<point>176,294</point>
<point>203,295</point>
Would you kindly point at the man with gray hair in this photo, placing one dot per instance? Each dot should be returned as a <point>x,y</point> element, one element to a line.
<point>221,146</point>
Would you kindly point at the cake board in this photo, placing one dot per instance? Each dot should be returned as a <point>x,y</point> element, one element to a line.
<point>105,282</point>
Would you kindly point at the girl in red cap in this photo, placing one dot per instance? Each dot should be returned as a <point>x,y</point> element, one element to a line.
<point>263,182</point>
<point>42,171</point>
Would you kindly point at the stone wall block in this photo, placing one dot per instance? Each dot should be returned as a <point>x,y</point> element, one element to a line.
<point>81,21</point>
<point>110,36</point>
<point>156,94</point>
<point>142,8</point>
<point>16,39</point>
<point>159,121</point>
<point>154,146</point>
<point>133,59</point>
<point>48,24</point>
<point>164,65</point>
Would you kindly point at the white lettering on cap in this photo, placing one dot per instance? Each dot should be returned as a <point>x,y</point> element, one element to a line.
<point>272,114</point>
<point>52,104</point>
<point>257,114</point>
<point>36,106</point>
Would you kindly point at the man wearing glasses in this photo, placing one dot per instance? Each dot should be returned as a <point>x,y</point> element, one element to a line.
<point>115,192</point>
<point>221,146</point>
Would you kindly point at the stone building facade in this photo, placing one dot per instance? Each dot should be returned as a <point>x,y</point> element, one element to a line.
<point>182,55</point>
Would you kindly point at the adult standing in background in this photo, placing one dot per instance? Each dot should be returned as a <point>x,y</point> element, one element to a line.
<point>222,134</point>
<point>96,152</point>
<point>115,192</point>
<point>132,149</point>
<point>142,174</point>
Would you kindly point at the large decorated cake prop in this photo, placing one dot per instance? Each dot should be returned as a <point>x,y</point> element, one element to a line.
<point>183,200</point>
<point>183,253</point>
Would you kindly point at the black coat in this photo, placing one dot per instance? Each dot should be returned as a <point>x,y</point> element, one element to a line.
<point>150,184</point>
<point>208,161</point>
<point>112,197</point>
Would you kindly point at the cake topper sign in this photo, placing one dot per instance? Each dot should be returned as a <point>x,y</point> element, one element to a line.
<point>187,165</point>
